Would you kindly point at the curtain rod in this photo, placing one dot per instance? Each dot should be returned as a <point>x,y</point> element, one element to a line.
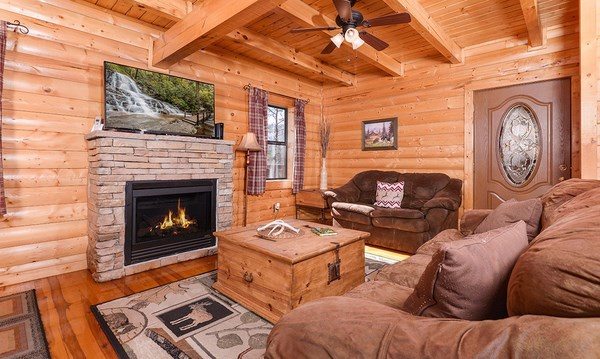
<point>248,86</point>
<point>18,26</point>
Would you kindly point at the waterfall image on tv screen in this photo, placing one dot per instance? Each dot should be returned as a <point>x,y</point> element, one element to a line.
<point>142,100</point>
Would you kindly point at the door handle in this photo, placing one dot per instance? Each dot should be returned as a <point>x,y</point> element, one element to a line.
<point>562,168</point>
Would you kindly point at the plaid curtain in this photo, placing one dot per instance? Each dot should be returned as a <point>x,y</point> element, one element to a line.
<point>257,169</point>
<point>300,123</point>
<point>2,54</point>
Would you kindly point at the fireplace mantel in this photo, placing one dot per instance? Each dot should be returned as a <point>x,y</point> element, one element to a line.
<point>116,158</point>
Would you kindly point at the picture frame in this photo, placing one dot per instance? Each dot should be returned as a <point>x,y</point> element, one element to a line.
<point>380,135</point>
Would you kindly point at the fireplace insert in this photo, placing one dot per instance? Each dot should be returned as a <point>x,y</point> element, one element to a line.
<point>168,217</point>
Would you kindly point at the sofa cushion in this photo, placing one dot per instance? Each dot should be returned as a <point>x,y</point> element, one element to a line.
<point>366,182</point>
<point>402,224</point>
<point>559,275</point>
<point>563,192</point>
<point>586,199</point>
<point>467,279</point>
<point>513,211</point>
<point>421,187</point>
<point>352,212</point>
<point>397,213</point>
<point>432,246</point>
<point>405,273</point>
<point>388,293</point>
<point>389,195</point>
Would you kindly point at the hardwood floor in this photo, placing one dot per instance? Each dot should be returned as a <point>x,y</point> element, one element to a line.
<point>64,302</point>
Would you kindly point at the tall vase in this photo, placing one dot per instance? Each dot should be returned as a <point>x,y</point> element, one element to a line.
<point>324,174</point>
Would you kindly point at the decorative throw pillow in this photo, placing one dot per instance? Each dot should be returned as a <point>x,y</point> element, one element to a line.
<point>389,195</point>
<point>468,278</point>
<point>513,211</point>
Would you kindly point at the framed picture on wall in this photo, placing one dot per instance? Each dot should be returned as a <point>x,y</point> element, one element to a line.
<point>380,134</point>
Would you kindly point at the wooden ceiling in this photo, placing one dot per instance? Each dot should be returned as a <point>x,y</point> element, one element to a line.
<point>461,23</point>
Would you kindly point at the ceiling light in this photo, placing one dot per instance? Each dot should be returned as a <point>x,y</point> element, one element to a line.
<point>338,40</point>
<point>357,43</point>
<point>351,35</point>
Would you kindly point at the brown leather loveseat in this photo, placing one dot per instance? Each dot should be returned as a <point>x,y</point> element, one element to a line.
<point>430,205</point>
<point>552,299</point>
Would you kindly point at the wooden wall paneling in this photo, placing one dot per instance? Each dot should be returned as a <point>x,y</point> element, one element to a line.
<point>53,91</point>
<point>433,103</point>
<point>588,39</point>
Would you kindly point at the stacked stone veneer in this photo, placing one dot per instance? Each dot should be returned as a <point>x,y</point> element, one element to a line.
<point>117,157</point>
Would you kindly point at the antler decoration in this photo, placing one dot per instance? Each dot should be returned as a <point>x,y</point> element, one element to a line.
<point>277,227</point>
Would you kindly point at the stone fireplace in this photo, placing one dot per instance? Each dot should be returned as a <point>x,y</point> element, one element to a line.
<point>154,200</point>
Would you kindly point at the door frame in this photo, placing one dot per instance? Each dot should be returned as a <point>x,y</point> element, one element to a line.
<point>571,73</point>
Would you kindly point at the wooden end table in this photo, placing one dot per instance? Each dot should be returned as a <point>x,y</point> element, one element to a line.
<point>273,277</point>
<point>312,200</point>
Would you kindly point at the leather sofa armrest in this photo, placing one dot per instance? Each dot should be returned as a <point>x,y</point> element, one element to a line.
<point>450,197</point>
<point>471,219</point>
<point>342,327</point>
<point>348,193</point>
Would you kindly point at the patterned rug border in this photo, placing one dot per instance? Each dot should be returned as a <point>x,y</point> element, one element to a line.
<point>38,318</point>
<point>112,339</point>
<point>118,347</point>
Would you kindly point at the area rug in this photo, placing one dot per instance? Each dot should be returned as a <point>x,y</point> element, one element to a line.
<point>187,319</point>
<point>21,330</point>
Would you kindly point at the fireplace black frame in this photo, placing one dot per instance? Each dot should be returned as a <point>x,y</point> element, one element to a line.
<point>142,252</point>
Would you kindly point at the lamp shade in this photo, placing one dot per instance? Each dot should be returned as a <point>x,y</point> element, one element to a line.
<point>249,143</point>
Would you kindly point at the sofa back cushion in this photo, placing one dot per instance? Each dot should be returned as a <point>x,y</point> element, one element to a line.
<point>367,183</point>
<point>467,279</point>
<point>561,193</point>
<point>421,187</point>
<point>559,275</point>
<point>513,211</point>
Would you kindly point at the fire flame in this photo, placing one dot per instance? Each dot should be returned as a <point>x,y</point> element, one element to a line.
<point>180,220</point>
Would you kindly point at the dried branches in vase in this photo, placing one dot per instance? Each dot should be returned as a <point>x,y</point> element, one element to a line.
<point>325,131</point>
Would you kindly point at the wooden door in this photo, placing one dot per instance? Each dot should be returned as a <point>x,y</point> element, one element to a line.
<point>522,141</point>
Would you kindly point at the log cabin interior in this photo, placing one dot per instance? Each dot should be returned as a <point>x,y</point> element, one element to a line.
<point>299,178</point>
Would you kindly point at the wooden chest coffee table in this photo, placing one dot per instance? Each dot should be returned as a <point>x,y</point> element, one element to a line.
<point>273,277</point>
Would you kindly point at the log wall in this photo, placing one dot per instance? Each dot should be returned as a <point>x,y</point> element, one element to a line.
<point>52,92</point>
<point>434,108</point>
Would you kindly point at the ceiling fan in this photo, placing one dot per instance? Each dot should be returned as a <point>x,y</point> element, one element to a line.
<point>348,20</point>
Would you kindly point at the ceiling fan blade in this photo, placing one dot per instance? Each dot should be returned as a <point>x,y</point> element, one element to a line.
<point>402,18</point>
<point>373,41</point>
<point>308,29</point>
<point>329,48</point>
<point>344,9</point>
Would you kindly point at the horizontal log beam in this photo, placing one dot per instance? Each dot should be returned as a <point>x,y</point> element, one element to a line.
<point>208,22</point>
<point>531,14</point>
<point>306,62</point>
<point>171,9</point>
<point>429,29</point>
<point>308,16</point>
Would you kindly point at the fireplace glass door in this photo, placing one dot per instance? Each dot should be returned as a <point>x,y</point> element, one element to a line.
<point>168,217</point>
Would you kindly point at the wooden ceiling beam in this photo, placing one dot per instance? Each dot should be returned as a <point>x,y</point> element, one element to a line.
<point>531,12</point>
<point>308,16</point>
<point>429,29</point>
<point>306,62</point>
<point>209,21</point>
<point>171,9</point>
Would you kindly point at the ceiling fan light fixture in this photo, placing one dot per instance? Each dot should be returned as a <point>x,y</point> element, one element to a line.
<point>338,40</point>
<point>357,43</point>
<point>351,35</point>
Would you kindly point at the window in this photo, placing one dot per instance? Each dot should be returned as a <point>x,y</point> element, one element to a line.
<point>277,143</point>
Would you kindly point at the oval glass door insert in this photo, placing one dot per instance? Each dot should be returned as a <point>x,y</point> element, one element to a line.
<point>519,144</point>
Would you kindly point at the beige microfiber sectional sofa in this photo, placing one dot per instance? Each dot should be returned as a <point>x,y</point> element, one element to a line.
<point>553,300</point>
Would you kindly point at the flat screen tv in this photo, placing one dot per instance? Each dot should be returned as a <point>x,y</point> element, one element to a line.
<point>145,101</point>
